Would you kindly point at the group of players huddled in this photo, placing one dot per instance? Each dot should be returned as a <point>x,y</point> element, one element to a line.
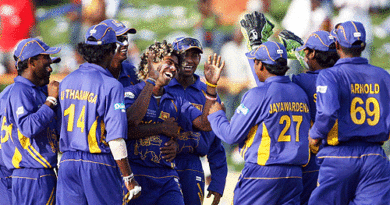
<point>135,136</point>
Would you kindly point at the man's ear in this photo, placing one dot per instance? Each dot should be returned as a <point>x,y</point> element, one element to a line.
<point>311,54</point>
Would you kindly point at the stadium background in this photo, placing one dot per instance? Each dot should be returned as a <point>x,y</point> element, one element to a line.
<point>166,19</point>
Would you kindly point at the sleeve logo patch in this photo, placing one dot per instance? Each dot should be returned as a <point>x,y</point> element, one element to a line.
<point>129,95</point>
<point>119,106</point>
<point>20,111</point>
<point>242,109</point>
<point>322,89</point>
<point>198,178</point>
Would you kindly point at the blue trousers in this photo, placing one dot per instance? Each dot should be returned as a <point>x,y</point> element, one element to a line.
<point>85,178</point>
<point>276,184</point>
<point>160,186</point>
<point>33,186</point>
<point>352,173</point>
<point>5,186</point>
<point>309,178</point>
<point>189,168</point>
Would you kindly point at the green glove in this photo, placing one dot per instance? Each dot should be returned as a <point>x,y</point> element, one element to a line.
<point>255,28</point>
<point>291,42</point>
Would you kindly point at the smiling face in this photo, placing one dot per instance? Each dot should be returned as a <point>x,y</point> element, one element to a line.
<point>191,62</point>
<point>121,51</point>
<point>167,69</point>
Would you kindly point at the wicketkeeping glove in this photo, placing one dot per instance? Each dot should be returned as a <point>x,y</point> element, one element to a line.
<point>292,42</point>
<point>256,28</point>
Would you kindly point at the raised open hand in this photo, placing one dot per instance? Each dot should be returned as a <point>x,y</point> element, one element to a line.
<point>213,68</point>
<point>152,67</point>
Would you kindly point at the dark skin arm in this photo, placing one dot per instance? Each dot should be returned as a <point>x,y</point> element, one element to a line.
<point>212,72</point>
<point>217,197</point>
<point>138,109</point>
<point>125,169</point>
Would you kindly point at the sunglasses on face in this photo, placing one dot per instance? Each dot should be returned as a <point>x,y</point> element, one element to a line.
<point>122,38</point>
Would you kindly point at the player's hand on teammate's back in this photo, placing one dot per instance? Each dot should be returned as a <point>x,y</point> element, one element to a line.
<point>169,151</point>
<point>215,107</point>
<point>52,88</point>
<point>217,197</point>
<point>314,142</point>
<point>170,128</point>
<point>213,68</point>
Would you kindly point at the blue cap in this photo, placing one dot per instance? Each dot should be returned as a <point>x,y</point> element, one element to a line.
<point>268,52</point>
<point>319,40</point>
<point>103,35</point>
<point>348,33</point>
<point>185,43</point>
<point>118,27</point>
<point>31,47</point>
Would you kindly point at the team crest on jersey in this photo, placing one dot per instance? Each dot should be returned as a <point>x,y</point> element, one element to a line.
<point>198,106</point>
<point>242,109</point>
<point>129,95</point>
<point>164,115</point>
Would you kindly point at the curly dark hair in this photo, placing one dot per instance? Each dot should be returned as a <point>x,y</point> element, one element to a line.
<point>326,59</point>
<point>22,65</point>
<point>280,68</point>
<point>161,49</point>
<point>95,53</point>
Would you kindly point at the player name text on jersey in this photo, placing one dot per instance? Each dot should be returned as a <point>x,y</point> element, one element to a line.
<point>79,95</point>
<point>288,107</point>
<point>364,88</point>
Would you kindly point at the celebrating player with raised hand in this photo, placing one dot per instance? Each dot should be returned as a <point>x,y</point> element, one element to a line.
<point>94,128</point>
<point>163,114</point>
<point>195,144</point>
<point>29,125</point>
<point>352,122</point>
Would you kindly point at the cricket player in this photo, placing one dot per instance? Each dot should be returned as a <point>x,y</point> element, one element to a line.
<point>270,126</point>
<point>163,114</point>
<point>30,141</point>
<point>120,68</point>
<point>318,52</point>
<point>189,167</point>
<point>5,174</point>
<point>94,128</point>
<point>352,122</point>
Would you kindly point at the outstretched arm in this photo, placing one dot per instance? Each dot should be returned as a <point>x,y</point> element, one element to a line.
<point>212,72</point>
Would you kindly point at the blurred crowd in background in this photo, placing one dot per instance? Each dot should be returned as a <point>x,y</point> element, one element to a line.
<point>213,22</point>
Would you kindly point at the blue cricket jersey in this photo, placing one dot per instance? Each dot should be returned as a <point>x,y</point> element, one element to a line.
<point>307,81</point>
<point>5,132</point>
<point>207,144</point>
<point>270,125</point>
<point>30,127</point>
<point>93,110</point>
<point>128,75</point>
<point>146,151</point>
<point>353,99</point>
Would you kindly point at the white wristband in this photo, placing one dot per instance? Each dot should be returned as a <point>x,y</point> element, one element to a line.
<point>128,178</point>
<point>51,99</point>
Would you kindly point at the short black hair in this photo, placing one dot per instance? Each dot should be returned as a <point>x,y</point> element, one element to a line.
<point>23,65</point>
<point>95,53</point>
<point>279,69</point>
<point>354,51</point>
<point>326,59</point>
